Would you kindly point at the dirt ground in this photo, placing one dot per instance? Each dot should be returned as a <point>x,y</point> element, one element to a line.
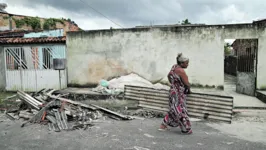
<point>4,95</point>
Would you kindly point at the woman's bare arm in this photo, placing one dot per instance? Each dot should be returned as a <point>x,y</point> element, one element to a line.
<point>184,77</point>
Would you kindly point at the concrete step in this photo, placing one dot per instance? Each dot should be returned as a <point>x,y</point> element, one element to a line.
<point>261,95</point>
<point>230,83</point>
<point>230,86</point>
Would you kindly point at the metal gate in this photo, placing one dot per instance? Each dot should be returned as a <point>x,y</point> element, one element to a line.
<point>247,50</point>
<point>31,68</point>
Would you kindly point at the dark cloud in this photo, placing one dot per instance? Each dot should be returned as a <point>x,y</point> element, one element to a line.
<point>142,12</point>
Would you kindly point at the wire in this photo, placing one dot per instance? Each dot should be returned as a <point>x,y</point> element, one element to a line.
<point>101,14</point>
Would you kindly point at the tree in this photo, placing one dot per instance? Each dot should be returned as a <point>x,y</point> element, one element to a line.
<point>3,7</point>
<point>227,50</point>
<point>186,21</point>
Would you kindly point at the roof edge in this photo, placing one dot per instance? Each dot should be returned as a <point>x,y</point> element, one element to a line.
<point>38,40</point>
<point>164,27</point>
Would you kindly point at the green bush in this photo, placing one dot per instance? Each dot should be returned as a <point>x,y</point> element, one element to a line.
<point>51,23</point>
<point>34,22</point>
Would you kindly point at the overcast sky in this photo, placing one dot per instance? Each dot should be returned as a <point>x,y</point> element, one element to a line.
<point>130,13</point>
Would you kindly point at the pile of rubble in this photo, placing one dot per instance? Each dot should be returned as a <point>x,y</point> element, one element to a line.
<point>57,112</point>
<point>147,113</point>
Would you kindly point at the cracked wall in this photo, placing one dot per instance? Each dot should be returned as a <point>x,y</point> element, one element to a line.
<point>151,52</point>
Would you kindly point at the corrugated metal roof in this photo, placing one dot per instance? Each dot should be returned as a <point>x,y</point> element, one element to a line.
<point>33,40</point>
<point>15,33</point>
<point>207,106</point>
<point>259,20</point>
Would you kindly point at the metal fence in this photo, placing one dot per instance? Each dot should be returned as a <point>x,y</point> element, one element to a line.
<point>246,63</point>
<point>213,107</point>
<point>246,55</point>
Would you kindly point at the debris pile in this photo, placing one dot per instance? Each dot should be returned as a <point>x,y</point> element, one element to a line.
<point>147,113</point>
<point>116,85</point>
<point>58,112</point>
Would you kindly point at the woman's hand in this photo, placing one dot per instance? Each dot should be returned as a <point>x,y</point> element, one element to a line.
<point>187,91</point>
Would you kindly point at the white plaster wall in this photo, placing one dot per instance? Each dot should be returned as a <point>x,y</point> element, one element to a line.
<point>96,55</point>
<point>261,67</point>
<point>149,54</point>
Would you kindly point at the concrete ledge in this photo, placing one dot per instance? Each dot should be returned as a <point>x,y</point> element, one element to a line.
<point>249,108</point>
<point>79,94</point>
<point>261,95</point>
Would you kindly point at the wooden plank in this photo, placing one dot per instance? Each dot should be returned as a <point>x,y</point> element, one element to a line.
<point>111,112</point>
<point>72,102</point>
<point>9,116</point>
<point>38,116</point>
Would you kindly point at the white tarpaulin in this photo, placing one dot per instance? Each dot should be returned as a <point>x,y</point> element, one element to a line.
<point>131,79</point>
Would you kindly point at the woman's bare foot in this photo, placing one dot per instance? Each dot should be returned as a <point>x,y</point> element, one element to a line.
<point>187,132</point>
<point>163,127</point>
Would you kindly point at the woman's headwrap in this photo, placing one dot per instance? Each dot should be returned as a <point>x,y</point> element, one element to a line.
<point>181,58</point>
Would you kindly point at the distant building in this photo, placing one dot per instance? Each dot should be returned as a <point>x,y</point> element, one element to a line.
<point>245,46</point>
<point>19,22</point>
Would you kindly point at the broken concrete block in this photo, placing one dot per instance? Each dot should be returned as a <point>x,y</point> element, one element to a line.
<point>25,115</point>
<point>11,116</point>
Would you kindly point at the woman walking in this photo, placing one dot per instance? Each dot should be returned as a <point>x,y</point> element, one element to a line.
<point>178,115</point>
